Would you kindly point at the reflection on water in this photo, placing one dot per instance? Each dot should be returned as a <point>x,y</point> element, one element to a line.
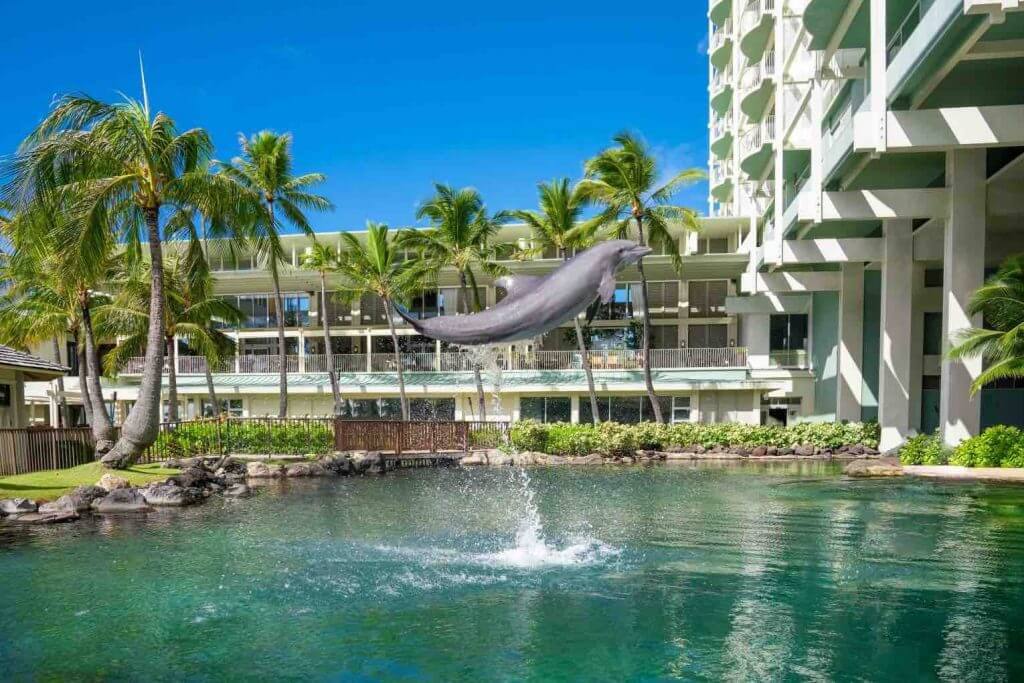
<point>693,572</point>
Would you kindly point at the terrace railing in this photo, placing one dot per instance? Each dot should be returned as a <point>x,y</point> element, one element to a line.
<point>44,448</point>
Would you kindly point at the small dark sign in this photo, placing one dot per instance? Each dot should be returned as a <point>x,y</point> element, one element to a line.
<point>5,394</point>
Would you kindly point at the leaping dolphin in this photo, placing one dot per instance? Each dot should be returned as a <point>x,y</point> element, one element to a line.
<point>534,305</point>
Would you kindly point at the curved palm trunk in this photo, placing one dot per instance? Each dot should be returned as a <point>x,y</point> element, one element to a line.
<point>172,382</point>
<point>331,372</point>
<point>102,426</point>
<point>142,425</point>
<point>398,361</point>
<point>646,345</point>
<point>585,360</point>
<point>62,401</point>
<point>480,400</point>
<point>83,382</point>
<point>282,355</point>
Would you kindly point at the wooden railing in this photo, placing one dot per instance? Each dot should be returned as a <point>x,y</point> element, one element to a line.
<point>44,448</point>
<point>616,359</point>
<point>405,437</point>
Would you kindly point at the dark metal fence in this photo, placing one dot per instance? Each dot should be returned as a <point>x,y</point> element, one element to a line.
<point>44,448</point>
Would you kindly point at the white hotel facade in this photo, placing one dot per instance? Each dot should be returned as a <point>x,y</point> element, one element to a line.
<point>866,172</point>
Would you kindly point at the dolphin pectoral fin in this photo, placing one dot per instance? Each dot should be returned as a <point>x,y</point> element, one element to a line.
<point>404,314</point>
<point>606,290</point>
<point>592,310</point>
<point>516,286</point>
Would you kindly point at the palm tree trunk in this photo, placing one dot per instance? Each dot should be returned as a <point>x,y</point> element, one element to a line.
<point>102,426</point>
<point>141,427</point>
<point>585,360</point>
<point>83,381</point>
<point>62,401</point>
<point>480,400</point>
<point>646,344</point>
<point>172,382</point>
<point>398,361</point>
<point>331,372</point>
<point>282,356</point>
<point>210,391</point>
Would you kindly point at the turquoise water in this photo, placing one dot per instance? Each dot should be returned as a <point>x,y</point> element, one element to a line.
<point>780,573</point>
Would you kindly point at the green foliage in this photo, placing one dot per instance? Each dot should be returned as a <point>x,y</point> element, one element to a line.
<point>924,449</point>
<point>998,446</point>
<point>611,438</point>
<point>245,437</point>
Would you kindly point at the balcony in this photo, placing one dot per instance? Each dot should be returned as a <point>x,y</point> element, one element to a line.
<point>720,10</point>
<point>757,83</point>
<point>721,91</point>
<point>756,25</point>
<point>795,359</point>
<point>721,180</point>
<point>721,136</point>
<point>618,359</point>
<point>720,45</point>
<point>756,147</point>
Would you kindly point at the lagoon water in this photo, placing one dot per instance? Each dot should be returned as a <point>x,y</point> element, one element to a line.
<point>783,572</point>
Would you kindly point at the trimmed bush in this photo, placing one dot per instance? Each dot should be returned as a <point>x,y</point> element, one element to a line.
<point>246,437</point>
<point>998,446</point>
<point>924,449</point>
<point>610,438</point>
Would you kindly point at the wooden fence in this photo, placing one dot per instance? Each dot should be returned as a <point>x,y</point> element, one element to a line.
<point>44,448</point>
<point>416,436</point>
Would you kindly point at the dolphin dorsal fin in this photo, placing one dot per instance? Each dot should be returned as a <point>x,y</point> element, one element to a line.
<point>516,286</point>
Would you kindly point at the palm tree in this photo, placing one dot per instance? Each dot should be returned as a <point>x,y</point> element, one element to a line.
<point>191,312</point>
<point>460,238</point>
<point>39,306</point>
<point>559,225</point>
<point>378,268</point>
<point>264,170</point>
<point>323,258</point>
<point>625,180</point>
<point>1001,342</point>
<point>124,165</point>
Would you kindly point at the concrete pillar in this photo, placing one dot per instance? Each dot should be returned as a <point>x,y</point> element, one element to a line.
<point>851,342</point>
<point>574,408</point>
<point>963,273</point>
<point>879,62</point>
<point>897,294</point>
<point>756,339</point>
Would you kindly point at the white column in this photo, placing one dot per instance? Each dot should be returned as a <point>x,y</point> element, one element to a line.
<point>851,342</point>
<point>897,289</point>
<point>574,409</point>
<point>756,339</point>
<point>878,83</point>
<point>369,344</point>
<point>963,272</point>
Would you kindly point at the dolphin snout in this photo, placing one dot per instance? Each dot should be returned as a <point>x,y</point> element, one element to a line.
<point>634,254</point>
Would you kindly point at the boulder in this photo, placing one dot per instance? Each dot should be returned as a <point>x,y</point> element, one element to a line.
<point>855,449</point>
<point>238,491</point>
<point>804,450</point>
<point>45,517</point>
<point>628,460</point>
<point>173,464</point>
<point>868,450</point>
<point>473,459</point>
<point>195,476</point>
<point>78,500</point>
<point>231,466</point>
<point>121,500</point>
<point>873,468</point>
<point>298,469</point>
<point>370,463</point>
<point>111,482</point>
<point>499,459</point>
<point>591,459</point>
<point>772,450</point>
<point>336,464</point>
<point>555,460</point>
<point>263,470</point>
<point>17,506</point>
<point>676,457</point>
<point>785,451</point>
<point>169,494</point>
<point>759,452</point>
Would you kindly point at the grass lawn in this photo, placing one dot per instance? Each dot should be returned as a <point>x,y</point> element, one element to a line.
<point>52,484</point>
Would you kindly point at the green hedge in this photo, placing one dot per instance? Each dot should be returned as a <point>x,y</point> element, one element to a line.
<point>246,437</point>
<point>924,449</point>
<point>611,438</point>
<point>998,446</point>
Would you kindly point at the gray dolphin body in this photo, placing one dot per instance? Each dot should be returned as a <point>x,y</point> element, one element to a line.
<point>535,305</point>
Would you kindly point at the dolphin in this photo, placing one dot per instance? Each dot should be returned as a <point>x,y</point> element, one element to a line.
<point>533,305</point>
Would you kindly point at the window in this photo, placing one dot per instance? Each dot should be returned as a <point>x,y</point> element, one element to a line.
<point>707,298</point>
<point>788,332</point>
<point>231,406</point>
<point>680,409</point>
<point>433,409</point>
<point>624,409</point>
<point>932,334</point>
<point>660,294</point>
<point>707,336</point>
<point>713,245</point>
<point>296,310</point>
<point>370,409</point>
<point>621,305</point>
<point>372,310</point>
<point>545,409</point>
<point>665,336</point>
<point>71,357</point>
<point>933,277</point>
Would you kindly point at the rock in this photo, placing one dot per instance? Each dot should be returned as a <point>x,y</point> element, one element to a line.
<point>17,506</point>
<point>195,476</point>
<point>868,450</point>
<point>231,466</point>
<point>675,448</point>
<point>263,470</point>
<point>231,479</point>
<point>786,451</point>
<point>111,482</point>
<point>555,460</point>
<point>370,463</point>
<point>855,449</point>
<point>121,500</point>
<point>628,460</point>
<point>696,448</point>
<point>336,464</point>
<point>299,469</point>
<point>78,500</point>
<point>169,494</point>
<point>474,458</point>
<point>500,459</point>
<point>873,468</point>
<point>591,459</point>
<point>238,491</point>
<point>45,517</point>
<point>676,457</point>
<point>772,450</point>
<point>759,452</point>
<point>804,450</point>
<point>173,464</point>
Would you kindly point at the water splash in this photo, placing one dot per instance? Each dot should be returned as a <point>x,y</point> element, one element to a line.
<point>488,358</point>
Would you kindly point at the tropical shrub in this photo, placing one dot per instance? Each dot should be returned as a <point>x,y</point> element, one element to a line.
<point>610,438</point>
<point>924,449</point>
<point>998,446</point>
<point>212,437</point>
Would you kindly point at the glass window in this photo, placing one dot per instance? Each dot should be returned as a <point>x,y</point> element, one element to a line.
<point>680,409</point>
<point>545,409</point>
<point>933,277</point>
<point>932,334</point>
<point>788,332</point>
<point>713,245</point>
<point>621,305</point>
<point>626,409</point>
<point>707,298</point>
<point>707,336</point>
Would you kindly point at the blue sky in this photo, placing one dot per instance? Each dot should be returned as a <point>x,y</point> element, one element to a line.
<point>387,97</point>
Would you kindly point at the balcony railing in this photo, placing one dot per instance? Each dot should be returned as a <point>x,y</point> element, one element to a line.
<point>720,36</point>
<point>762,134</point>
<point>796,358</point>
<point>719,173</point>
<point>617,359</point>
